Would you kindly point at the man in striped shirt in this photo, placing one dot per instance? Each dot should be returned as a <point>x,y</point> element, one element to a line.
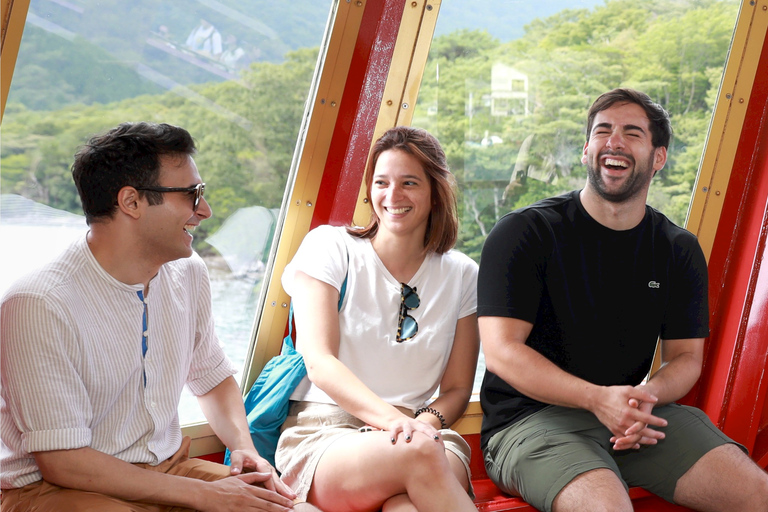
<point>97,345</point>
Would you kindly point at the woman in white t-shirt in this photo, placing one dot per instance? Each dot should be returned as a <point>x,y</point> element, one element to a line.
<point>363,433</point>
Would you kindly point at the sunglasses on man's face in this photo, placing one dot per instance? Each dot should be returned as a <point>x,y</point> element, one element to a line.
<point>198,191</point>
<point>407,327</point>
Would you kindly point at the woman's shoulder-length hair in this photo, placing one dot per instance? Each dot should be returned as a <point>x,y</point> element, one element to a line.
<point>443,223</point>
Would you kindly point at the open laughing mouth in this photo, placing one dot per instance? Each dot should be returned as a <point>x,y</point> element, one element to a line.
<point>615,164</point>
<point>398,211</point>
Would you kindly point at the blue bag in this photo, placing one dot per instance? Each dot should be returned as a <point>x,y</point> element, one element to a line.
<point>267,402</point>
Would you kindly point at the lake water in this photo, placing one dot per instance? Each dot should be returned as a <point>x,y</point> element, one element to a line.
<point>234,309</point>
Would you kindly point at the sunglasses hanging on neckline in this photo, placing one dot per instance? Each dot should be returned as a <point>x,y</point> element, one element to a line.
<point>407,326</point>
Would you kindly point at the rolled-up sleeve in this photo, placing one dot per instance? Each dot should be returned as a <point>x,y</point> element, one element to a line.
<point>46,396</point>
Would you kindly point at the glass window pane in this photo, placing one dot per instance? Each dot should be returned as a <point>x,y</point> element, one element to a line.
<point>507,91</point>
<point>235,73</point>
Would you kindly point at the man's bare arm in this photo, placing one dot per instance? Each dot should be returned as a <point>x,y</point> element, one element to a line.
<point>223,407</point>
<point>507,355</point>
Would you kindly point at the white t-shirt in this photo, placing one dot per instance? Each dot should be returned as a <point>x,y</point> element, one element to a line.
<point>403,374</point>
<point>73,368</point>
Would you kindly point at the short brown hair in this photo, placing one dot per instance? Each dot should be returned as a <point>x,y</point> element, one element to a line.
<point>658,118</point>
<point>443,223</point>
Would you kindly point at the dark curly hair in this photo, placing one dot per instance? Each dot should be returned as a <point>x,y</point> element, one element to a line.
<point>661,129</point>
<point>128,155</point>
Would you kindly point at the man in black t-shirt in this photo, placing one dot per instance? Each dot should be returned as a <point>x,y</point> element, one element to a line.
<point>573,294</point>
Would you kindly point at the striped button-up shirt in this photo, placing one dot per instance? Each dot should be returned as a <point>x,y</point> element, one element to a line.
<point>74,372</point>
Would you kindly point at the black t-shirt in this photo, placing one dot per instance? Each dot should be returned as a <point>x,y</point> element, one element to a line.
<point>598,299</point>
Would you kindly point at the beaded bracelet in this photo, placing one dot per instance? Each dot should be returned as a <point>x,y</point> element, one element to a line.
<point>436,413</point>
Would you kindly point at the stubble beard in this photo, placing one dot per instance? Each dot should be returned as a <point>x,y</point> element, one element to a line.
<point>635,184</point>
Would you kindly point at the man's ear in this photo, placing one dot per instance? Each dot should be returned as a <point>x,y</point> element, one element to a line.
<point>584,153</point>
<point>129,202</point>
<point>659,159</point>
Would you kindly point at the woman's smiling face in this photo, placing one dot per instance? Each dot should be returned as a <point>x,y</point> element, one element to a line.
<point>401,193</point>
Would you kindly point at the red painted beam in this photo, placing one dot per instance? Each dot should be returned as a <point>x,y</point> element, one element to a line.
<point>746,388</point>
<point>732,389</point>
<point>358,112</point>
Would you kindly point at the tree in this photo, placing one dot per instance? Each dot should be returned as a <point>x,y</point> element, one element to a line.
<point>245,141</point>
<point>672,49</point>
<point>247,129</point>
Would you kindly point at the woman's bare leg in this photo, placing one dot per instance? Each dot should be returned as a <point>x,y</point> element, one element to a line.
<point>361,472</point>
<point>458,469</point>
<point>399,503</point>
<point>402,503</point>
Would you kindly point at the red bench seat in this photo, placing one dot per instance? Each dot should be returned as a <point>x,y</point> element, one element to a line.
<point>489,498</point>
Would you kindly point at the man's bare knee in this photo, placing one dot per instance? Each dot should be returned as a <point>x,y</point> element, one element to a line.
<point>724,479</point>
<point>599,490</point>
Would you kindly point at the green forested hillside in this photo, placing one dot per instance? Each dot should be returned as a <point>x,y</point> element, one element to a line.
<point>244,163</point>
<point>87,51</point>
<point>246,129</point>
<point>58,72</point>
<point>503,19</point>
<point>672,49</point>
<point>99,51</point>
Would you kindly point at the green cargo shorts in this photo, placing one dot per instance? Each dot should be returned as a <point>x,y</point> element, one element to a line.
<point>538,456</point>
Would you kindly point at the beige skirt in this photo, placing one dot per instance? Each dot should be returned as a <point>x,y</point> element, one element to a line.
<point>310,429</point>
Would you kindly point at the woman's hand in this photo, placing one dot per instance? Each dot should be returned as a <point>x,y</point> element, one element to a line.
<point>408,427</point>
